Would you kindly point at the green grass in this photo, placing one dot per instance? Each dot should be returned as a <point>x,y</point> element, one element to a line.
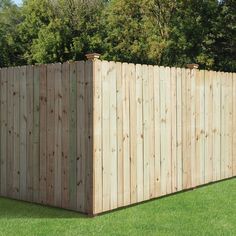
<point>209,210</point>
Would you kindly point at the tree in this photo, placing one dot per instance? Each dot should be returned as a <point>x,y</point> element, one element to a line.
<point>224,46</point>
<point>130,33</point>
<point>59,30</point>
<point>191,31</point>
<point>9,40</point>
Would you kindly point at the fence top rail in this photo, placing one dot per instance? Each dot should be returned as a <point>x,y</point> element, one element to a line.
<point>116,62</point>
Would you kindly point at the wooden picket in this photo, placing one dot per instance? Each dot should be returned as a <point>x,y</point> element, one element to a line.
<point>92,136</point>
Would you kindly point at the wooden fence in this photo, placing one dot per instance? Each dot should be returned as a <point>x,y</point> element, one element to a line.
<point>45,134</point>
<point>94,136</point>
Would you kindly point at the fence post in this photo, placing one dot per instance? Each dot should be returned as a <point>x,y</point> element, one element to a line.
<point>192,66</point>
<point>92,56</point>
<point>93,98</point>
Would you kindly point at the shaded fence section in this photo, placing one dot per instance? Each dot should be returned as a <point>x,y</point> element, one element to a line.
<point>159,130</point>
<point>46,145</point>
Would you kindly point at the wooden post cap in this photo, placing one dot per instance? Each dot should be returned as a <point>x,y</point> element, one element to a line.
<point>92,56</point>
<point>192,66</point>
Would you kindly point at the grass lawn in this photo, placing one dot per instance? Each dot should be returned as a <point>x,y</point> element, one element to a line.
<point>209,210</point>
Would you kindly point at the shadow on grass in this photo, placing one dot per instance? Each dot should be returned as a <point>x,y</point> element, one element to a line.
<point>12,209</point>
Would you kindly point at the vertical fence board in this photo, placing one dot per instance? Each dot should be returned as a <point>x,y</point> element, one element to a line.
<point>112,135</point>
<point>36,162</point>
<point>225,125</point>
<point>4,131</point>
<point>65,132</point>
<point>126,133</point>
<point>216,81</point>
<point>151,132</point>
<point>208,127</point>
<point>119,100</point>
<point>179,150</point>
<point>193,127</point>
<point>139,131</point>
<point>43,134</point>
<point>16,135</point>
<point>185,128</point>
<point>50,133</point>
<point>230,126</point>
<point>29,134</point>
<point>105,136</point>
<point>72,138</point>
<point>0,129</point>
<point>234,123</point>
<point>173,131</point>
<point>10,143</point>
<point>163,130</point>
<point>201,127</point>
<point>146,132</point>
<point>168,130</point>
<point>23,133</point>
<point>97,146</point>
<point>89,73</point>
<point>58,133</point>
<point>157,147</point>
<point>81,158</point>
<point>188,129</point>
<point>133,134</point>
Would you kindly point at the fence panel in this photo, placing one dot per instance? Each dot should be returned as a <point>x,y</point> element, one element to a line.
<point>174,130</point>
<point>43,139</point>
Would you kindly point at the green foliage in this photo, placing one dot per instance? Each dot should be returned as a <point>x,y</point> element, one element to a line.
<point>169,32</point>
<point>224,45</point>
<point>10,49</point>
<point>191,33</point>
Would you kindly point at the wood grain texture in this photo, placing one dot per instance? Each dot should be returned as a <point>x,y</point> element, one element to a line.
<point>23,133</point>
<point>4,131</point>
<point>146,133</point>
<point>50,133</point>
<point>179,151</point>
<point>16,134</point>
<point>81,156</point>
<point>29,132</point>
<point>43,134</point>
<point>133,135</point>
<point>97,145</point>
<point>10,141</point>
<point>36,160</point>
<point>113,136</point>
<point>208,127</point>
<point>72,137</point>
<point>234,123</point>
<point>139,132</point>
<point>89,77</point>
<point>157,147</point>
<point>126,132</point>
<point>58,134</point>
<point>120,150</point>
<point>65,136</point>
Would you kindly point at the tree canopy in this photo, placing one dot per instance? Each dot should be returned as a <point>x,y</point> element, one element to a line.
<point>163,32</point>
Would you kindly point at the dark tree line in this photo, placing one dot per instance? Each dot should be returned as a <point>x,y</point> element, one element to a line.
<point>163,32</point>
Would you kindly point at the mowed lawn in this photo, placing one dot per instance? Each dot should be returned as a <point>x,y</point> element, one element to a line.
<point>209,210</point>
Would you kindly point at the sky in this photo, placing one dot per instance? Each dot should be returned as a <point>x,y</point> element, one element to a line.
<point>17,1</point>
